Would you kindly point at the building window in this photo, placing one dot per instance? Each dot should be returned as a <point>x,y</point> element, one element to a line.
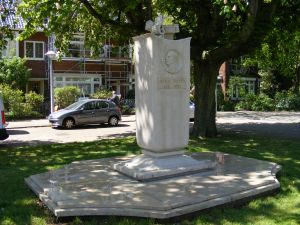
<point>34,50</point>
<point>87,85</point>
<point>250,86</point>
<point>247,86</point>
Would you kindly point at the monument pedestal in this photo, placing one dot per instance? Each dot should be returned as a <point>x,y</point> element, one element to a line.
<point>149,167</point>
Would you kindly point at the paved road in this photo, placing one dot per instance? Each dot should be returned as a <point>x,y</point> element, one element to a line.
<point>283,125</point>
<point>271,124</point>
<point>39,132</point>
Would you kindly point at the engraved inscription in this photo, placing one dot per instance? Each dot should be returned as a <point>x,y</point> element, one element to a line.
<point>169,83</point>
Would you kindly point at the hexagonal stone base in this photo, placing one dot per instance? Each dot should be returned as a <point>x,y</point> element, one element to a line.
<point>92,187</point>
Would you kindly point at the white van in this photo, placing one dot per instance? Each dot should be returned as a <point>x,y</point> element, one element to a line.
<point>3,133</point>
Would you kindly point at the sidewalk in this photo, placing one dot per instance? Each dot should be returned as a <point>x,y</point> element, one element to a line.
<point>28,123</point>
<point>45,122</point>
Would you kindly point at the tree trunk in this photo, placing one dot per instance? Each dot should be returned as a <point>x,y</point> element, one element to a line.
<point>205,78</point>
<point>297,81</point>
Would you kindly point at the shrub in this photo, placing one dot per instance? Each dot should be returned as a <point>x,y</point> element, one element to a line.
<point>254,102</point>
<point>286,100</point>
<point>247,102</point>
<point>12,99</point>
<point>263,103</point>
<point>102,94</point>
<point>227,105</point>
<point>127,106</point>
<point>64,96</point>
<point>34,100</point>
<point>224,104</point>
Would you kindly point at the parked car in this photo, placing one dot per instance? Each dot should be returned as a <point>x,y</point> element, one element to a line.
<point>3,132</point>
<point>192,110</point>
<point>87,111</point>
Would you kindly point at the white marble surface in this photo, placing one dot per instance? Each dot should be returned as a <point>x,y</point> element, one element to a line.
<point>92,187</point>
<point>162,70</point>
<point>147,167</point>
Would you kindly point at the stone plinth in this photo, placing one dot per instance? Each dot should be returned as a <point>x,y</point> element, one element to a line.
<point>92,187</point>
<point>146,167</point>
<point>162,70</point>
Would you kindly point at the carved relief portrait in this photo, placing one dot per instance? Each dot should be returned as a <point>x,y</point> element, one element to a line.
<point>172,61</point>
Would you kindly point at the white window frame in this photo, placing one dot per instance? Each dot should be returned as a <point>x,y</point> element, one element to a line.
<point>249,83</point>
<point>34,53</point>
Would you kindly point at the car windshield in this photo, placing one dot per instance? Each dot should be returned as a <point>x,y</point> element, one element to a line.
<point>75,105</point>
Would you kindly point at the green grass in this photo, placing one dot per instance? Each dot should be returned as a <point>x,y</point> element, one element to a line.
<point>18,205</point>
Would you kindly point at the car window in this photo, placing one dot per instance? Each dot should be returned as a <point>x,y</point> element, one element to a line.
<point>75,105</point>
<point>101,105</point>
<point>89,106</point>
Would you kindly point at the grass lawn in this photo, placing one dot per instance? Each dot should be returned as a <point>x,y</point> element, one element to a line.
<point>18,205</point>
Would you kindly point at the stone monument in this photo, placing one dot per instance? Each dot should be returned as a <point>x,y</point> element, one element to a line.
<point>138,187</point>
<point>162,70</point>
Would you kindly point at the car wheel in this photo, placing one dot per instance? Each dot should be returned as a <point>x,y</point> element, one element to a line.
<point>69,123</point>
<point>113,121</point>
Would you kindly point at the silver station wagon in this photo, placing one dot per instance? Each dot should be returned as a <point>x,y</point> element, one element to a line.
<point>88,111</point>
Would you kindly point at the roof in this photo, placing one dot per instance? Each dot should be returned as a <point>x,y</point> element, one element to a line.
<point>11,20</point>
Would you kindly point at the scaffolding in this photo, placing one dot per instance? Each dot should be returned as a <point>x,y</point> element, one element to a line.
<point>113,67</point>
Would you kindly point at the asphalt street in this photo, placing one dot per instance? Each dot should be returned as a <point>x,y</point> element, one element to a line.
<point>274,124</point>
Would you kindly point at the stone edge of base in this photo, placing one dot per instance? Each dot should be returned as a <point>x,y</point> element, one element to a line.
<point>166,214</point>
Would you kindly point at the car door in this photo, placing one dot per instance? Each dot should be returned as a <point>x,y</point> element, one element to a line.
<point>87,113</point>
<point>101,112</point>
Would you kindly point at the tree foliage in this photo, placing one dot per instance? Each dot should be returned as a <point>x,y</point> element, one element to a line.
<point>279,61</point>
<point>13,71</point>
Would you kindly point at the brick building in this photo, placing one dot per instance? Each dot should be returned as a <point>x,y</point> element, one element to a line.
<point>111,70</point>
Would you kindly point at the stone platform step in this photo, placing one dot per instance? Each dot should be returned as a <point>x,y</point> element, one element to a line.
<point>92,187</point>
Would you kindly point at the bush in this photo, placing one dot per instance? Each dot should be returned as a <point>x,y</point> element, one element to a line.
<point>286,100</point>
<point>14,103</point>
<point>65,96</point>
<point>128,106</point>
<point>224,104</point>
<point>12,99</point>
<point>254,102</point>
<point>34,100</point>
<point>247,102</point>
<point>102,94</point>
<point>227,105</point>
<point>263,103</point>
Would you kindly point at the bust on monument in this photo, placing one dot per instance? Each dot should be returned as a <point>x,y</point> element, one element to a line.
<point>172,61</point>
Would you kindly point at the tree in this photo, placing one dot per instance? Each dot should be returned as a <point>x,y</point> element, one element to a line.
<point>13,71</point>
<point>279,61</point>
<point>220,30</point>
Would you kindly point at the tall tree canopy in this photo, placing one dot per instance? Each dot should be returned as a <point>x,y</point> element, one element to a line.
<point>220,30</point>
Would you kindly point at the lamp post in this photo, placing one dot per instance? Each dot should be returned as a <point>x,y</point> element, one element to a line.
<point>52,55</point>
